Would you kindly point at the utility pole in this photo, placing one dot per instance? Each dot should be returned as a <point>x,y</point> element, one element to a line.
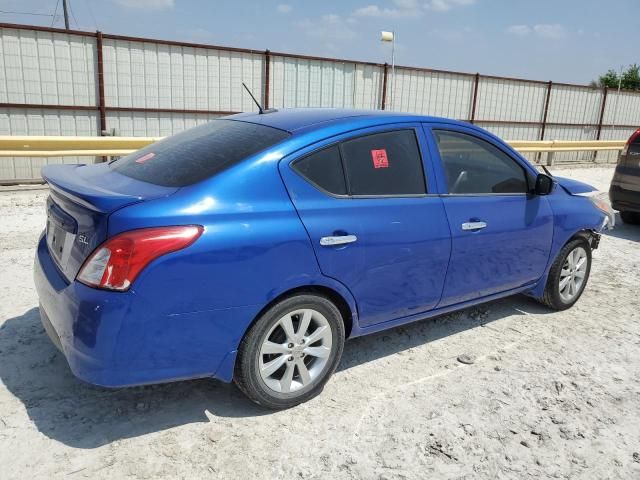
<point>615,111</point>
<point>66,14</point>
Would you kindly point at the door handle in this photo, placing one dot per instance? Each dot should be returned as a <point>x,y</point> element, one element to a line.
<point>339,240</point>
<point>474,225</point>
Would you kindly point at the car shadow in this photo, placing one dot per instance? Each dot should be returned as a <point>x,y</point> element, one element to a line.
<point>84,416</point>
<point>365,349</point>
<point>624,230</point>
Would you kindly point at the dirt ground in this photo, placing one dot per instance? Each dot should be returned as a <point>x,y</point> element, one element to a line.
<point>550,395</point>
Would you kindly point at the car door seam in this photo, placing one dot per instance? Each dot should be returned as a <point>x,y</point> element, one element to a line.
<point>315,255</point>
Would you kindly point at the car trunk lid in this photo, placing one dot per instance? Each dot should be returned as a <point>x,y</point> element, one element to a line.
<point>81,199</point>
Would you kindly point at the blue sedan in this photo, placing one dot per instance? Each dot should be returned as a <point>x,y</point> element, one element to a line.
<point>249,248</point>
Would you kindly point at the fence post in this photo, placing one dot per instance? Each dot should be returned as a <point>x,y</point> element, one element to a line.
<point>384,86</point>
<point>101,103</point>
<point>604,104</point>
<point>267,77</point>
<point>474,100</point>
<point>550,156</point>
<point>546,110</point>
<point>601,119</point>
<point>544,116</point>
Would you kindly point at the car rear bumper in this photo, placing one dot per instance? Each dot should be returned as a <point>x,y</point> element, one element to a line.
<point>624,192</point>
<point>624,200</point>
<point>113,339</point>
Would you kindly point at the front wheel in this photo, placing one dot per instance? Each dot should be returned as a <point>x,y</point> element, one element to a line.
<point>568,275</point>
<point>289,354</point>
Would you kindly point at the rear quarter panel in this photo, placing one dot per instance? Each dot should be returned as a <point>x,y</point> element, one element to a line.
<point>197,303</point>
<point>253,242</point>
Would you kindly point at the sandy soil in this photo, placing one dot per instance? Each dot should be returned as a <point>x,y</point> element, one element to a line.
<point>550,395</point>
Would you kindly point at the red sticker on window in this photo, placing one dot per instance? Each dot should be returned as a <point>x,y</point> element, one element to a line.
<point>146,157</point>
<point>380,159</point>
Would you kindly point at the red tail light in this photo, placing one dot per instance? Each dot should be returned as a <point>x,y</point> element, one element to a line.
<point>632,139</point>
<point>115,264</point>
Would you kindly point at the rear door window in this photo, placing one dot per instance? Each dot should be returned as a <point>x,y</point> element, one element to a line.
<point>384,164</point>
<point>198,153</point>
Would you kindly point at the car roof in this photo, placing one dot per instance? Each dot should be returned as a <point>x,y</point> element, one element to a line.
<point>297,119</point>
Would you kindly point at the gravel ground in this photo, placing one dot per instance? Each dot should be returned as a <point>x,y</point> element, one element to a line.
<point>550,395</point>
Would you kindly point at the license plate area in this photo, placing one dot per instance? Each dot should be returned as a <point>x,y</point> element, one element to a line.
<point>56,240</point>
<point>61,233</point>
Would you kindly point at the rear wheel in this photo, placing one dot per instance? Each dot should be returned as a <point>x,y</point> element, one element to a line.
<point>631,218</point>
<point>289,354</point>
<point>568,275</point>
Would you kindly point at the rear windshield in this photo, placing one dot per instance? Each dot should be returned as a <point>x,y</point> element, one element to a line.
<point>197,153</point>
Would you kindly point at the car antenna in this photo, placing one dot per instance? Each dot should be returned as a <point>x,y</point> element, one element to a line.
<point>260,109</point>
<point>546,170</point>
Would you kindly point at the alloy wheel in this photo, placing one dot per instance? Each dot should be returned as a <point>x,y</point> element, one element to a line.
<point>572,274</point>
<point>295,351</point>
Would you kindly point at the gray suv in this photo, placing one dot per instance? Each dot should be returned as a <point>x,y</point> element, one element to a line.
<point>624,192</point>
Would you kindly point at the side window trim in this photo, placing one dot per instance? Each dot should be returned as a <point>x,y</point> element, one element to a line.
<point>359,134</point>
<point>435,128</point>
<point>345,169</point>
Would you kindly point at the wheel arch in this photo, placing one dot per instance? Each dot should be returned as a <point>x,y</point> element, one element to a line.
<point>344,305</point>
<point>588,235</point>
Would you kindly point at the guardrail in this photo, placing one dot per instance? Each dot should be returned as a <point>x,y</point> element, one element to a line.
<point>34,146</point>
<point>551,147</point>
<point>526,146</point>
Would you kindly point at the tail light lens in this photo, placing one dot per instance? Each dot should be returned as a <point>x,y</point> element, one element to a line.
<point>632,138</point>
<point>115,264</point>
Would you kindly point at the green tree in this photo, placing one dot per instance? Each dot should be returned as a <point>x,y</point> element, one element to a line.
<point>609,79</point>
<point>630,79</point>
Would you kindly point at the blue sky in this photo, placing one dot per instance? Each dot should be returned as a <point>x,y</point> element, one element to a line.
<point>560,40</point>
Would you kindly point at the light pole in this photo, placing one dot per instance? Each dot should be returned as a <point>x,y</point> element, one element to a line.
<point>66,14</point>
<point>391,37</point>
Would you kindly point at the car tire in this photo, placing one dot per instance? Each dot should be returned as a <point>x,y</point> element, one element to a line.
<point>568,276</point>
<point>304,359</point>
<point>631,218</point>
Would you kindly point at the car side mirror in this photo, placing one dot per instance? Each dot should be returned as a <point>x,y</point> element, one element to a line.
<point>544,184</point>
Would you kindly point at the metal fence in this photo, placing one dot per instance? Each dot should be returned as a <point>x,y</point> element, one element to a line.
<point>58,82</point>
